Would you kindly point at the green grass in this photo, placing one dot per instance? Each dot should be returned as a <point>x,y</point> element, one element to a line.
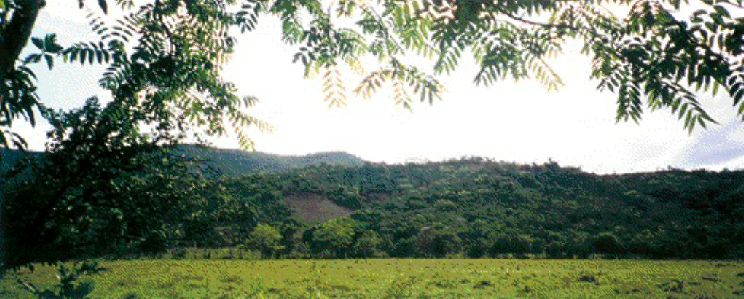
<point>405,278</point>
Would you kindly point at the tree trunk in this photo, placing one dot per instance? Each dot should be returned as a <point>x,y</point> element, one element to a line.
<point>17,32</point>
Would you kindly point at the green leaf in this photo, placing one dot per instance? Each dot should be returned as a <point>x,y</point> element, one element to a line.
<point>103,5</point>
<point>50,61</point>
<point>39,43</point>
<point>50,43</point>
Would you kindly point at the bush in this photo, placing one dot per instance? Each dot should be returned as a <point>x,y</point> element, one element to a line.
<point>608,243</point>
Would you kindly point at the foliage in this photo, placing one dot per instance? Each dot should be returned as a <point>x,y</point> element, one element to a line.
<point>436,242</point>
<point>68,285</point>
<point>266,239</point>
<point>651,54</point>
<point>111,186</point>
<point>368,244</point>
<point>608,243</point>
<point>163,63</point>
<point>333,238</point>
<point>107,173</point>
<point>109,169</point>
<point>164,57</point>
<point>471,207</point>
<point>238,162</point>
<point>102,189</point>
<point>478,208</point>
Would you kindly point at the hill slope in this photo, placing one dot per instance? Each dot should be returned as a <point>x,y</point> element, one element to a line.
<point>483,208</point>
<point>230,162</point>
<point>471,208</point>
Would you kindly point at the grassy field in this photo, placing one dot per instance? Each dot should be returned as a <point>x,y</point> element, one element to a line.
<point>406,279</point>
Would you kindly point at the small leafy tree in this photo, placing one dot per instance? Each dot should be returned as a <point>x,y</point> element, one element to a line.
<point>335,235</point>
<point>367,244</point>
<point>437,242</point>
<point>608,243</point>
<point>69,284</point>
<point>266,239</point>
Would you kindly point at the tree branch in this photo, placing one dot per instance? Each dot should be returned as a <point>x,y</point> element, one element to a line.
<point>534,23</point>
<point>732,3</point>
<point>17,32</point>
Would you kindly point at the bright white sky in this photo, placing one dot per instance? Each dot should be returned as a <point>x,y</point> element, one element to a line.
<point>519,122</point>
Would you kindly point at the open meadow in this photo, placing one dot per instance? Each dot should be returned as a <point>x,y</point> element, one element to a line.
<point>405,278</point>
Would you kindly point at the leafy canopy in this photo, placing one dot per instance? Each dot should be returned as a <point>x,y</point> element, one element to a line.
<point>654,56</point>
<point>265,238</point>
<point>164,57</point>
<point>163,67</point>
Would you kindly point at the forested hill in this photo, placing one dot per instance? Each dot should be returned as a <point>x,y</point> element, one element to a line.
<point>239,162</point>
<point>230,162</point>
<point>467,208</point>
<point>481,208</point>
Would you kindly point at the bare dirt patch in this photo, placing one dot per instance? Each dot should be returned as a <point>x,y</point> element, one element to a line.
<point>315,208</point>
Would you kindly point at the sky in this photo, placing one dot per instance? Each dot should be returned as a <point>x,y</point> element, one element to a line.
<point>510,121</point>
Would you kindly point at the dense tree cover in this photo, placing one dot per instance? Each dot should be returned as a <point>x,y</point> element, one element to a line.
<point>226,162</point>
<point>479,208</point>
<point>471,207</point>
<point>101,189</point>
<point>147,199</point>
<point>238,162</point>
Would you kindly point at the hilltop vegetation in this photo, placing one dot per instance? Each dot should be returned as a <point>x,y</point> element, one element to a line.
<point>226,162</point>
<point>479,208</point>
<point>239,162</point>
<point>468,208</point>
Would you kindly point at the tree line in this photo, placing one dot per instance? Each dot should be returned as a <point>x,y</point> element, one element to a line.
<point>155,200</point>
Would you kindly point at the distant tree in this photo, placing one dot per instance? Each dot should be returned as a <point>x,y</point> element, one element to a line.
<point>518,245</point>
<point>335,236</point>
<point>266,239</point>
<point>367,244</point>
<point>291,235</point>
<point>608,243</point>
<point>345,198</point>
<point>403,247</point>
<point>446,242</point>
<point>555,244</point>
<point>476,238</point>
<point>445,205</point>
<point>425,241</point>
<point>437,242</point>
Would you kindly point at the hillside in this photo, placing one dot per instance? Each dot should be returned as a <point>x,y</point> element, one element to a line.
<point>469,208</point>
<point>484,208</point>
<point>230,162</point>
<point>234,162</point>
